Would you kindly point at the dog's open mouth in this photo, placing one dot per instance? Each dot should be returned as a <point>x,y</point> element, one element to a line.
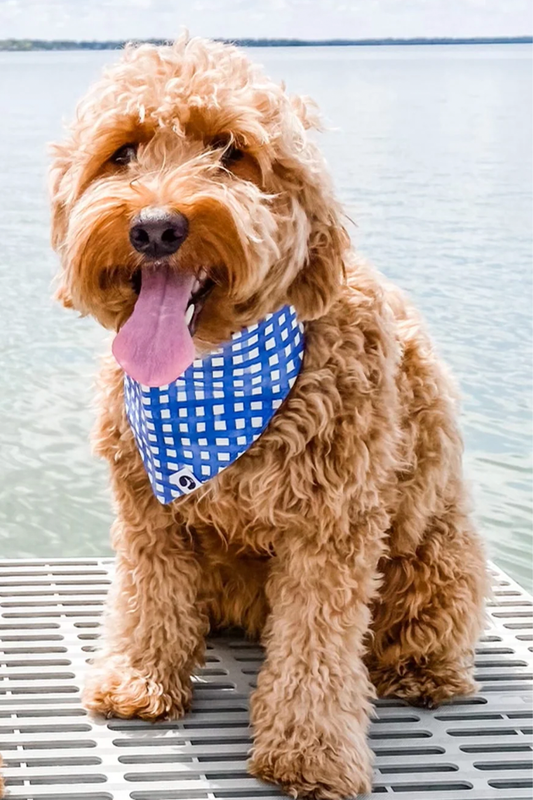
<point>155,344</point>
<point>200,291</point>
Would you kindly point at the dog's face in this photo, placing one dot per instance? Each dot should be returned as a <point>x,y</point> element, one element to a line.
<point>186,162</point>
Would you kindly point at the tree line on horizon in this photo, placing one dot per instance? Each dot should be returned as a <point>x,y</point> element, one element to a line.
<point>71,44</point>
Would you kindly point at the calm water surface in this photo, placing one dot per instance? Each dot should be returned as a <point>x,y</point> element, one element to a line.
<point>431,152</point>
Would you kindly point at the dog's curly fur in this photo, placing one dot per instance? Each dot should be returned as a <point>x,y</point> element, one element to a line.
<point>343,535</point>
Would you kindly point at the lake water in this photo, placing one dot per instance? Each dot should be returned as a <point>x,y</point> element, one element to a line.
<point>431,152</point>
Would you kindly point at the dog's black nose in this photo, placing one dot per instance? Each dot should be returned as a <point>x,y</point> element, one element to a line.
<point>156,233</point>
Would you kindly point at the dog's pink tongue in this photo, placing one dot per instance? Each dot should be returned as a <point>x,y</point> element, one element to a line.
<point>154,346</point>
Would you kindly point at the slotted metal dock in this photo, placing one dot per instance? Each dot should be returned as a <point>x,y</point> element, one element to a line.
<point>476,749</point>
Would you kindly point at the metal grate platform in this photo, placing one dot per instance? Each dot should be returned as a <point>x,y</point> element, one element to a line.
<point>476,749</point>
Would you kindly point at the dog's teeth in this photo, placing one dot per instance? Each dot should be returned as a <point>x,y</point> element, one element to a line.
<point>189,313</point>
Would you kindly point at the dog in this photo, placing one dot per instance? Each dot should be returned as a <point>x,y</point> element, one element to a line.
<point>341,535</point>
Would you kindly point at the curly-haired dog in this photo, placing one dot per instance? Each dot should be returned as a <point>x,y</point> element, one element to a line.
<point>342,535</point>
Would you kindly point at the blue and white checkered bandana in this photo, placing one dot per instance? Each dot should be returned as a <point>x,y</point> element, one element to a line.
<point>190,430</point>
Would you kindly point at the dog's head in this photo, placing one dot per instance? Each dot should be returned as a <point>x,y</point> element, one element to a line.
<point>189,173</point>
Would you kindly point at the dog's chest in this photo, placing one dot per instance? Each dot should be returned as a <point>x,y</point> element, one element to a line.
<point>243,509</point>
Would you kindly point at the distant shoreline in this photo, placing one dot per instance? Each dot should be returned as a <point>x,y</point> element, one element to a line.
<point>25,45</point>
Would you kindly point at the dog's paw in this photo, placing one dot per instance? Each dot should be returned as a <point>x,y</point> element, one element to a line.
<point>322,768</point>
<point>425,687</point>
<point>115,689</point>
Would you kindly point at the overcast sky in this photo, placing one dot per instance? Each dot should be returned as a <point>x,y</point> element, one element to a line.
<point>305,19</point>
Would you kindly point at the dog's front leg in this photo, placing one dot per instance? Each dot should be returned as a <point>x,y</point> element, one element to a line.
<point>154,630</point>
<point>310,710</point>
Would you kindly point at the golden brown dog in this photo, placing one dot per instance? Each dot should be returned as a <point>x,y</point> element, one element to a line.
<point>342,535</point>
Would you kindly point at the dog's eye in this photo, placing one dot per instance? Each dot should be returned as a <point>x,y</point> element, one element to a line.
<point>230,152</point>
<point>124,155</point>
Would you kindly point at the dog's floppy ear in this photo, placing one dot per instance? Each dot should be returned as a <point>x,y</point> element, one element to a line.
<point>58,171</point>
<point>318,283</point>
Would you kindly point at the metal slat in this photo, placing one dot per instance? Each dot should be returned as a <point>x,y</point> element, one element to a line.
<point>477,748</point>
